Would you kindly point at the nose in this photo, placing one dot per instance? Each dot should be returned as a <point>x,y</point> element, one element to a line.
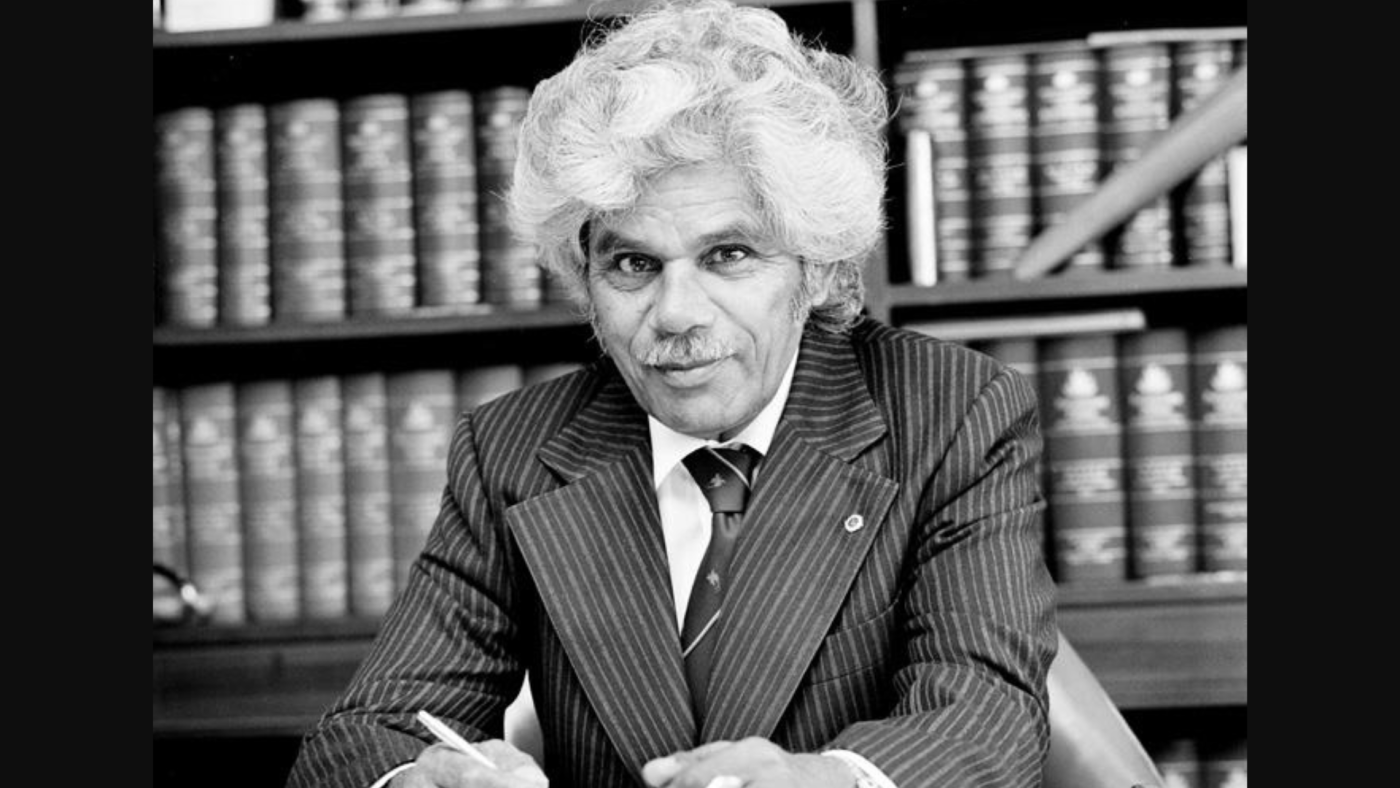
<point>681,303</point>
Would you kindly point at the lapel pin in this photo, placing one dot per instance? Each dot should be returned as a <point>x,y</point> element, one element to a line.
<point>854,523</point>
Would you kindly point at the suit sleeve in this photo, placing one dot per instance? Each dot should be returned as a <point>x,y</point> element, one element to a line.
<point>978,613</point>
<point>446,645</point>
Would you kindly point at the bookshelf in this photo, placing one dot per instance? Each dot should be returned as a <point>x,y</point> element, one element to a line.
<point>1155,645</point>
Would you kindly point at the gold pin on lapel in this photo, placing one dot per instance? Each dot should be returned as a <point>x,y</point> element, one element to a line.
<point>854,523</point>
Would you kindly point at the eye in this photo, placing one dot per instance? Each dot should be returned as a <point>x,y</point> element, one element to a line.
<point>633,264</point>
<point>729,255</point>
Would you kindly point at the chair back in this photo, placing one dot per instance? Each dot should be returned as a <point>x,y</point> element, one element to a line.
<point>1091,745</point>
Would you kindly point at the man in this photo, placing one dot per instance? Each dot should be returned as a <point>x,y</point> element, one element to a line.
<point>764,542</point>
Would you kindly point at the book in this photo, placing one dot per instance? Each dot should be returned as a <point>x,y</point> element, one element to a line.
<point>1220,394</point>
<point>999,144</point>
<point>186,241</point>
<point>479,385</point>
<point>267,491</point>
<point>1138,102</point>
<point>325,10</point>
<point>378,204</point>
<point>184,16</point>
<point>1083,430</point>
<point>320,498</point>
<point>245,273</point>
<point>933,111</point>
<point>1065,99</point>
<point>1225,762</point>
<point>422,412</point>
<point>1178,760</point>
<point>368,523</point>
<point>1158,452</point>
<point>306,223</point>
<point>212,501</point>
<point>510,273</point>
<point>168,533</point>
<point>444,199</point>
<point>539,373</point>
<point>1238,178</point>
<point>1200,69</point>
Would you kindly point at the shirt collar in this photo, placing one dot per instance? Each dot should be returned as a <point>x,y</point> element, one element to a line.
<point>669,447</point>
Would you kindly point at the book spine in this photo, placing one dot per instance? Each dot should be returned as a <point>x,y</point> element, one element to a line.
<point>367,519</point>
<point>1022,356</point>
<point>267,487</point>
<point>1220,388</point>
<point>378,204</point>
<point>444,199</point>
<point>1158,452</point>
<point>935,102</point>
<point>1201,69</point>
<point>1083,429</point>
<point>320,498</point>
<point>1065,137</point>
<point>422,408</point>
<point>1000,139</point>
<point>510,273</point>
<point>1178,759</point>
<point>539,373</point>
<point>1138,92</point>
<point>480,385</point>
<point>920,209</point>
<point>186,240</point>
<point>305,220</point>
<point>1225,763</point>
<point>168,534</point>
<point>209,455</point>
<point>245,274</point>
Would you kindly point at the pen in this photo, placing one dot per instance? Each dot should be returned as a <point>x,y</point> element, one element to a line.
<point>449,737</point>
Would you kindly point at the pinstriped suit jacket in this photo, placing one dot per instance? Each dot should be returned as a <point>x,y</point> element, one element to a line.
<point>921,640</point>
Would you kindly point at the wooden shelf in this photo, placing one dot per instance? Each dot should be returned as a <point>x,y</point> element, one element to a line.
<point>488,320</point>
<point>1170,645</point>
<point>1151,645</point>
<point>293,31</point>
<point>1079,287</point>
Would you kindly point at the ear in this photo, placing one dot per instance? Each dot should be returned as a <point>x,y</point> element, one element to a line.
<point>820,281</point>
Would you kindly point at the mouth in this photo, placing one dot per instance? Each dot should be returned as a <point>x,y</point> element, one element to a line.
<point>689,373</point>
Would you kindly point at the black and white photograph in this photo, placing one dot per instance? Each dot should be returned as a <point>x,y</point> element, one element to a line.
<point>700,394</point>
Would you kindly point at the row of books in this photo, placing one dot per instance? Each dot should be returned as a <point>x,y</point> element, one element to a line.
<point>1002,141</point>
<point>307,499</point>
<point>180,16</point>
<point>1205,762</point>
<point>323,209</point>
<point>1146,456</point>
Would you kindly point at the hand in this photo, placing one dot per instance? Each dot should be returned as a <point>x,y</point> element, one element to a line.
<point>753,763</point>
<point>440,766</point>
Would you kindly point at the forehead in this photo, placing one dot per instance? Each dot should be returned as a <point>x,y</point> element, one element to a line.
<point>686,205</point>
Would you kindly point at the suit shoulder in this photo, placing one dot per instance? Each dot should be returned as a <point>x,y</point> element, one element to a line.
<point>530,415</point>
<point>906,367</point>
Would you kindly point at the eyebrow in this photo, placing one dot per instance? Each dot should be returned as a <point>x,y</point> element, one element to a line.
<point>609,241</point>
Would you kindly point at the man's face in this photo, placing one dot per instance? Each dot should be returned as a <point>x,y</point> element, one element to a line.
<point>700,311</point>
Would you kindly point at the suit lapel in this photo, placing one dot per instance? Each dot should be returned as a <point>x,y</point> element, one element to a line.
<point>797,558</point>
<point>595,550</point>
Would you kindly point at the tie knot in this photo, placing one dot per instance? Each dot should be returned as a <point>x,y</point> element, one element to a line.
<point>724,476</point>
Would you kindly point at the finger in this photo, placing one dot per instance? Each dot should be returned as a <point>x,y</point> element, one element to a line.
<point>726,781</point>
<point>659,771</point>
<point>445,767</point>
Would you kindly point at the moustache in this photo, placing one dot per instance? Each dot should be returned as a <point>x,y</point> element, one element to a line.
<point>685,350</point>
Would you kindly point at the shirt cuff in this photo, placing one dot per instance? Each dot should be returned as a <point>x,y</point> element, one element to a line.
<point>868,776</point>
<point>383,781</point>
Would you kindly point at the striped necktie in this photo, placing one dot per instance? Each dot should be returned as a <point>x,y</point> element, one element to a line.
<point>724,476</point>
